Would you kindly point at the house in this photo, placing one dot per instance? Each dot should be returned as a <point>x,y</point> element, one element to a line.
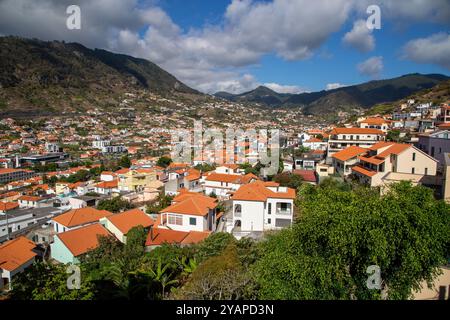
<point>187,178</point>
<point>77,218</point>
<point>108,176</point>
<point>261,206</point>
<point>15,256</point>
<point>341,138</point>
<point>8,206</point>
<point>387,162</point>
<point>375,123</point>
<point>308,176</point>
<point>190,211</point>
<point>107,187</point>
<point>119,224</point>
<point>159,236</point>
<point>136,179</point>
<point>435,144</point>
<point>29,201</point>
<point>315,144</point>
<point>345,159</point>
<point>309,160</point>
<point>223,185</point>
<point>68,246</point>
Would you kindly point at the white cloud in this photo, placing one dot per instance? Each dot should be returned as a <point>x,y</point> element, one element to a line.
<point>284,88</point>
<point>434,49</point>
<point>212,57</point>
<point>372,67</point>
<point>331,86</point>
<point>360,37</point>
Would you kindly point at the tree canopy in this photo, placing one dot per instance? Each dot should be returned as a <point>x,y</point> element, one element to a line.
<point>325,255</point>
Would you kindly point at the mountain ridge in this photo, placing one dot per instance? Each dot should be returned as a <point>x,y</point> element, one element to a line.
<point>364,95</point>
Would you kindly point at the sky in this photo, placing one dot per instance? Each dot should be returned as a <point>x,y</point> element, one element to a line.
<point>289,46</point>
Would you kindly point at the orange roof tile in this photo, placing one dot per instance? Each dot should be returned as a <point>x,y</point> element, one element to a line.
<point>16,252</point>
<point>195,237</point>
<point>83,239</point>
<point>356,131</point>
<point>29,198</point>
<point>192,204</point>
<point>6,206</point>
<point>396,148</point>
<point>258,191</point>
<point>159,236</point>
<point>107,184</point>
<point>81,216</point>
<point>349,153</point>
<point>364,171</point>
<point>374,121</point>
<point>129,219</point>
<point>374,160</point>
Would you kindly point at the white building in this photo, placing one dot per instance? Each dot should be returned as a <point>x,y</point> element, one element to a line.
<point>261,206</point>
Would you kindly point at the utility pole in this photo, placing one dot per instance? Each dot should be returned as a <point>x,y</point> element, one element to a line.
<point>7,224</point>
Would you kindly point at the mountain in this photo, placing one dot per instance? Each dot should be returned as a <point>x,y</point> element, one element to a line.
<point>364,95</point>
<point>53,76</point>
<point>261,94</point>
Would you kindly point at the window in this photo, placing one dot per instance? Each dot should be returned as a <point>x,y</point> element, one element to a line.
<point>426,171</point>
<point>413,170</point>
<point>270,209</point>
<point>432,151</point>
<point>192,221</point>
<point>269,221</point>
<point>237,210</point>
<point>414,156</point>
<point>175,219</point>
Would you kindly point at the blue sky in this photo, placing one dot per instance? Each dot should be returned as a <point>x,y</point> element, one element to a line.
<point>334,63</point>
<point>236,45</point>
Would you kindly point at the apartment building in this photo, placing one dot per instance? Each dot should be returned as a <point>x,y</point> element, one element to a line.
<point>387,162</point>
<point>136,179</point>
<point>260,206</point>
<point>435,144</point>
<point>345,159</point>
<point>341,138</point>
<point>10,175</point>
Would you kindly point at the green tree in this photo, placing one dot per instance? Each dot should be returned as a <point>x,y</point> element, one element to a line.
<point>325,255</point>
<point>164,162</point>
<point>44,281</point>
<point>288,179</point>
<point>125,162</point>
<point>116,204</point>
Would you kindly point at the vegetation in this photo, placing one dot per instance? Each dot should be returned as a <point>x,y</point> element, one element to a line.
<point>164,162</point>
<point>116,204</point>
<point>342,229</point>
<point>288,179</point>
<point>161,202</point>
<point>125,162</point>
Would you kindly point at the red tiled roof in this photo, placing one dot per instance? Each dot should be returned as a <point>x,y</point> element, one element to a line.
<point>349,153</point>
<point>192,204</point>
<point>159,236</point>
<point>16,252</point>
<point>258,191</point>
<point>356,131</point>
<point>307,175</point>
<point>6,206</point>
<point>364,171</point>
<point>81,216</point>
<point>195,237</point>
<point>83,239</point>
<point>108,184</point>
<point>127,220</point>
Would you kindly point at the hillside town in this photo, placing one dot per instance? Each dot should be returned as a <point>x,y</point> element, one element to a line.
<point>66,182</point>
